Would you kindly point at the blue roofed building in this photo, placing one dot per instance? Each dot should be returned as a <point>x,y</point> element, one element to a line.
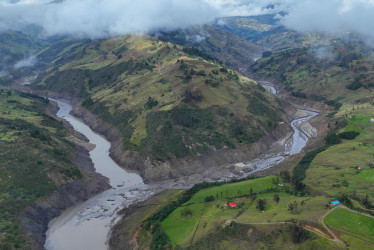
<point>334,203</point>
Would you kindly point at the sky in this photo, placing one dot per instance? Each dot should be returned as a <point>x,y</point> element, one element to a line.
<point>106,18</point>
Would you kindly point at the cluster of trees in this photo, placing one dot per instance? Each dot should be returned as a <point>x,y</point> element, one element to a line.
<point>299,170</point>
<point>261,203</point>
<point>299,234</point>
<point>151,102</point>
<point>356,84</point>
<point>196,52</point>
<point>333,138</point>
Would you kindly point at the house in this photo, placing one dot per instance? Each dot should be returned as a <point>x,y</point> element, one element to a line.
<point>232,204</point>
<point>334,203</point>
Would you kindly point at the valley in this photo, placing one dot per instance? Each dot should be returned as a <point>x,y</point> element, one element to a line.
<point>244,131</point>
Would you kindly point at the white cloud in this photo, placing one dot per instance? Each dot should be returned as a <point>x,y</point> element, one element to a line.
<point>26,62</point>
<point>102,18</point>
<point>332,17</point>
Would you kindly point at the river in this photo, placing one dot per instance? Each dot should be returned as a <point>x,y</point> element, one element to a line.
<point>86,226</point>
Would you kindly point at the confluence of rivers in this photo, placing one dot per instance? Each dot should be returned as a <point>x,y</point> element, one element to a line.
<point>86,226</point>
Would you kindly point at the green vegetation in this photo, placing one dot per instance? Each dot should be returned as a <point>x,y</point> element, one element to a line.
<point>167,101</point>
<point>346,167</point>
<point>341,77</point>
<point>35,160</point>
<point>356,229</point>
<point>207,206</point>
<point>266,32</point>
<point>299,170</point>
<point>213,45</point>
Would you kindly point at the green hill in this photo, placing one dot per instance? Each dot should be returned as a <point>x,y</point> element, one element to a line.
<point>36,160</point>
<point>265,31</point>
<point>200,218</point>
<point>167,101</point>
<point>16,46</point>
<point>338,74</point>
<point>224,46</point>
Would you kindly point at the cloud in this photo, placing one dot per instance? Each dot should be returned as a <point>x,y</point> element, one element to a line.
<point>26,62</point>
<point>103,18</point>
<point>106,18</point>
<point>332,17</point>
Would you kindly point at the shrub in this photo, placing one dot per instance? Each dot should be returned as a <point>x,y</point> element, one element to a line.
<point>349,135</point>
<point>261,203</point>
<point>332,138</point>
<point>209,198</point>
<point>354,85</point>
<point>299,170</point>
<point>266,54</point>
<point>298,94</point>
<point>151,102</point>
<point>186,212</point>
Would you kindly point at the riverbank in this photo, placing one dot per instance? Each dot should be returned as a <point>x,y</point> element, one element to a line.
<point>218,171</point>
<point>70,187</point>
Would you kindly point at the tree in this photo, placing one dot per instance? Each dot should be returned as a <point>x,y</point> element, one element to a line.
<point>209,198</point>
<point>366,201</point>
<point>266,54</point>
<point>285,175</point>
<point>151,102</point>
<point>292,207</point>
<point>186,212</point>
<point>261,203</point>
<point>276,198</point>
<point>299,234</point>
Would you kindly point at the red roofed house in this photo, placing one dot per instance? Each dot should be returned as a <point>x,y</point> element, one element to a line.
<point>232,204</point>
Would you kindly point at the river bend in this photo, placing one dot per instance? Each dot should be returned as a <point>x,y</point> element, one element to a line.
<point>86,225</point>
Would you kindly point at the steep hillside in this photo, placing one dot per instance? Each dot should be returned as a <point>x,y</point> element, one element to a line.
<point>14,47</point>
<point>201,218</point>
<point>36,162</point>
<point>165,101</point>
<point>339,74</point>
<point>265,31</point>
<point>224,46</point>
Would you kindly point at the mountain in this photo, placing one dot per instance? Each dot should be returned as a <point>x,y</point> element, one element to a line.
<point>17,49</point>
<point>224,46</point>
<point>338,74</point>
<point>166,102</point>
<point>265,31</point>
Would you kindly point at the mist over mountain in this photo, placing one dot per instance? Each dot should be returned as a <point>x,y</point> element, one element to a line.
<point>100,19</point>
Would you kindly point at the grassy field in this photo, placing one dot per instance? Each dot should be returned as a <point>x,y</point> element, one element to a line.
<point>334,171</point>
<point>207,216</point>
<point>356,229</point>
<point>124,231</point>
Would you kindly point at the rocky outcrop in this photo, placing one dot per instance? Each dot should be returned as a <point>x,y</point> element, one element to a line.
<point>34,220</point>
<point>155,170</point>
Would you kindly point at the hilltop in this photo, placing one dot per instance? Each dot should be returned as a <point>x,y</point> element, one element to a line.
<point>222,45</point>
<point>171,106</point>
